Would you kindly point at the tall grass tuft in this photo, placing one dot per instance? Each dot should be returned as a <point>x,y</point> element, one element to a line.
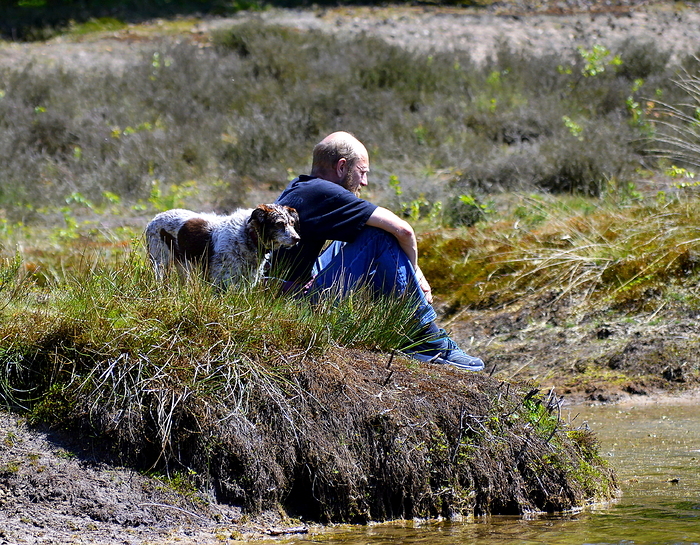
<point>632,258</point>
<point>678,137</point>
<point>105,320</point>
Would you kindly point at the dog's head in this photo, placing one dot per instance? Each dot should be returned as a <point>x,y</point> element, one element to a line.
<point>276,225</point>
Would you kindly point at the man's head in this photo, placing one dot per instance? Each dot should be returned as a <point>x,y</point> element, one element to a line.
<point>342,159</point>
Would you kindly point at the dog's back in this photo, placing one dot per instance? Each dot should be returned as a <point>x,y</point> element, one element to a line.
<point>234,253</point>
<point>226,247</point>
<point>161,238</point>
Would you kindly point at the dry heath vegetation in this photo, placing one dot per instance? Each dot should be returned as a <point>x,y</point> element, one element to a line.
<point>522,174</point>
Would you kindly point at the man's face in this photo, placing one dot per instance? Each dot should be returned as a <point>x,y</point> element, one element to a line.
<point>356,177</point>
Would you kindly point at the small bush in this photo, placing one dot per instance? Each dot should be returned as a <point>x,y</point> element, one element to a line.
<point>641,59</point>
<point>587,164</point>
<point>463,210</point>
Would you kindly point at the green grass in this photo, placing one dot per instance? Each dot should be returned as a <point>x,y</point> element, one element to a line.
<point>105,310</point>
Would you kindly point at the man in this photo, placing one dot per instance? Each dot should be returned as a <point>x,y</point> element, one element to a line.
<point>373,245</point>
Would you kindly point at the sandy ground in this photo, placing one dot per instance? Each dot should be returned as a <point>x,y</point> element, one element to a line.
<point>673,26</point>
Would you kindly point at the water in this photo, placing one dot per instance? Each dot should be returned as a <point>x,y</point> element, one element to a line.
<point>655,450</point>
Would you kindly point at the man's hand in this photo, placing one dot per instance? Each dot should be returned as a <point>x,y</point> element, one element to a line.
<point>424,286</point>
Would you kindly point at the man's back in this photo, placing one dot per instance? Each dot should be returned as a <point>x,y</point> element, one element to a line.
<point>327,211</point>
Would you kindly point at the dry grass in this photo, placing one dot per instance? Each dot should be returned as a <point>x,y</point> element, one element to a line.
<point>627,258</point>
<point>267,400</point>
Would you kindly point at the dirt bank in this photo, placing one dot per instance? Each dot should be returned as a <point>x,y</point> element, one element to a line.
<point>375,438</point>
<point>53,491</point>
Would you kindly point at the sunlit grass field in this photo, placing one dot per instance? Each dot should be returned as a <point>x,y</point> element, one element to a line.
<point>569,173</point>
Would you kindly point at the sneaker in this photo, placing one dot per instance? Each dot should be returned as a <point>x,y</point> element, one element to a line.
<point>445,351</point>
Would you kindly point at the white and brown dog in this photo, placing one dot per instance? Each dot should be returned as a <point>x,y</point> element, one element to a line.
<point>228,248</point>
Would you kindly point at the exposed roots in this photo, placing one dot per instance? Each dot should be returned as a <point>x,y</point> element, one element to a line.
<point>349,436</point>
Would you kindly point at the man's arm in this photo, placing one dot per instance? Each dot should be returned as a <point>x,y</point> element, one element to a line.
<point>406,237</point>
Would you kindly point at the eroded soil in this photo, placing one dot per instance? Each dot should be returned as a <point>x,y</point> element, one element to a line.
<point>596,357</point>
<point>52,491</point>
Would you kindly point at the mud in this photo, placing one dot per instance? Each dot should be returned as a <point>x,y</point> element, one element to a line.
<point>52,491</point>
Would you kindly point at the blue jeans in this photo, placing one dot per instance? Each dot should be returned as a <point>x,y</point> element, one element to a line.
<point>374,258</point>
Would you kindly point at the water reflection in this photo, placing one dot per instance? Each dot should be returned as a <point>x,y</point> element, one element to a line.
<point>655,450</point>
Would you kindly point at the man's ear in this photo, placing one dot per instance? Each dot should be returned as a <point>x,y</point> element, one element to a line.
<point>341,168</point>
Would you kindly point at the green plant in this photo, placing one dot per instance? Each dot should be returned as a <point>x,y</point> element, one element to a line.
<point>597,59</point>
<point>574,128</point>
<point>183,483</point>
<point>101,24</point>
<point>174,197</point>
<point>416,208</point>
<point>465,210</point>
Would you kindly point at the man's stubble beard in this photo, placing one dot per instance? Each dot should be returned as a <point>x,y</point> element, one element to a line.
<point>347,184</point>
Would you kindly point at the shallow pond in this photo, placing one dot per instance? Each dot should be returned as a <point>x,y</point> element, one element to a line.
<point>655,450</point>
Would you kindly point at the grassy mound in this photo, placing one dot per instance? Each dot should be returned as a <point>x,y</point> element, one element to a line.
<point>269,401</point>
<point>532,202</point>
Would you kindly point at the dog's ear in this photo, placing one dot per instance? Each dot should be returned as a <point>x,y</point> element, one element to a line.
<point>258,219</point>
<point>294,215</point>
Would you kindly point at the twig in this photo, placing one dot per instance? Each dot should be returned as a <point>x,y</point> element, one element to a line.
<point>388,377</point>
<point>283,531</point>
<point>172,507</point>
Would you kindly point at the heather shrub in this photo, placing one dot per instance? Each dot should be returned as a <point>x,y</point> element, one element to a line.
<point>641,59</point>
<point>244,114</point>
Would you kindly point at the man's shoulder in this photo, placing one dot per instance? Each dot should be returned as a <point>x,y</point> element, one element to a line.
<point>316,187</point>
<point>313,183</point>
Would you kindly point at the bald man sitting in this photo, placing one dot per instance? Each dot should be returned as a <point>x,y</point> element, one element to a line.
<point>371,245</point>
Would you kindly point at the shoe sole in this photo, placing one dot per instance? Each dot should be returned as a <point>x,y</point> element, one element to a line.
<point>441,361</point>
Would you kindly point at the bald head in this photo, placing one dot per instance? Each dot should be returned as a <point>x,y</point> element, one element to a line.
<point>334,147</point>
